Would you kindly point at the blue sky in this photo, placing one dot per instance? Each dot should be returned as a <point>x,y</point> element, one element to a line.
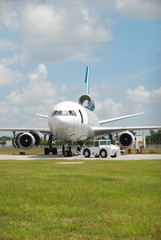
<point>46,45</point>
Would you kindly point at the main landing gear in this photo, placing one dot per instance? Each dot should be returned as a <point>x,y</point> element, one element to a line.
<point>65,151</point>
<point>50,149</point>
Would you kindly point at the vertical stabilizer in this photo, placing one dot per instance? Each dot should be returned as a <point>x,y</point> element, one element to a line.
<point>87,80</point>
<point>86,100</point>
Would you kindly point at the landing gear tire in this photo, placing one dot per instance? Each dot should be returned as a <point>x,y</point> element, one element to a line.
<point>47,151</point>
<point>113,156</point>
<point>67,153</point>
<point>54,151</point>
<point>103,153</point>
<point>86,153</point>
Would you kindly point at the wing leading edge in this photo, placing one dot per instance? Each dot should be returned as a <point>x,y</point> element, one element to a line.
<point>120,118</point>
<point>41,130</point>
<point>103,131</point>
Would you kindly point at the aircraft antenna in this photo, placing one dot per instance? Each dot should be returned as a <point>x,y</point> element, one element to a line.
<point>87,80</point>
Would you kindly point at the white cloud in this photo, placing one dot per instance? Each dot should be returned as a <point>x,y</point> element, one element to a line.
<point>156,94</point>
<point>138,95</point>
<point>21,105</point>
<point>115,109</point>
<point>109,108</point>
<point>8,15</point>
<point>143,9</point>
<point>142,96</point>
<point>6,45</point>
<point>99,89</point>
<point>135,100</point>
<point>98,106</point>
<point>9,77</point>
<point>57,35</point>
<point>15,59</point>
<point>38,91</point>
<point>54,31</point>
<point>13,52</point>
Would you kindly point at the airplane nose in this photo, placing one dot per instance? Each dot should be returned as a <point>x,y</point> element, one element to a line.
<point>63,126</point>
<point>64,122</point>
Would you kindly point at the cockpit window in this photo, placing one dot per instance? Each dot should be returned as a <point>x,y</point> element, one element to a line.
<point>64,113</point>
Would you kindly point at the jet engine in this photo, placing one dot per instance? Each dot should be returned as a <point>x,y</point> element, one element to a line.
<point>26,140</point>
<point>126,139</point>
<point>87,102</point>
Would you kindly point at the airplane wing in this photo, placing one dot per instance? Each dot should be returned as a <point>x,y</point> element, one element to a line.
<point>103,131</point>
<point>119,118</point>
<point>41,130</point>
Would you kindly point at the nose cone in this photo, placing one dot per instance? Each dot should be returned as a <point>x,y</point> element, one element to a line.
<point>62,127</point>
<point>62,122</point>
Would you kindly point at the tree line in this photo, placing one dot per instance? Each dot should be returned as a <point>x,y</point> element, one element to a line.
<point>154,138</point>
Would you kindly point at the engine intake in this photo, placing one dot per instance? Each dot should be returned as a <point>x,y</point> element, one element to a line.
<point>126,139</point>
<point>26,140</point>
<point>87,102</point>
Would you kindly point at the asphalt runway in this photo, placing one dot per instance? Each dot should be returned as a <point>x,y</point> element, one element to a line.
<point>80,157</point>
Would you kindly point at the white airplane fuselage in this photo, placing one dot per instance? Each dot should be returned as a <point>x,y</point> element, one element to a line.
<point>72,121</point>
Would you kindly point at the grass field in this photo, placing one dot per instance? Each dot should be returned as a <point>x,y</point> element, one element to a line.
<point>95,200</point>
<point>18,150</point>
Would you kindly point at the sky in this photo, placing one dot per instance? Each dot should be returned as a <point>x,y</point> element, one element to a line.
<point>45,46</point>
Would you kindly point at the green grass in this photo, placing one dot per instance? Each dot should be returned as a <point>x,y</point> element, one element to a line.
<point>146,151</point>
<point>95,200</point>
<point>18,150</point>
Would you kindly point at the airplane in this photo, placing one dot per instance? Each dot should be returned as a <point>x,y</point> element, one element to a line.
<point>71,121</point>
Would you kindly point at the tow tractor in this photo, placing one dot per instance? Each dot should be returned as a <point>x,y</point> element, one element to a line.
<point>101,148</point>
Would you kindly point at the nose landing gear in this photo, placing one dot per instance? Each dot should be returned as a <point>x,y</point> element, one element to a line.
<point>68,152</point>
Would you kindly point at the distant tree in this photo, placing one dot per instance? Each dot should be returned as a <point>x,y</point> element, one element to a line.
<point>5,139</point>
<point>87,142</point>
<point>134,133</point>
<point>58,142</point>
<point>44,142</point>
<point>3,143</point>
<point>154,138</point>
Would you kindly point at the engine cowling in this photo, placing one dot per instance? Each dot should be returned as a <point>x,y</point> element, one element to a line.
<point>26,140</point>
<point>87,102</point>
<point>126,139</point>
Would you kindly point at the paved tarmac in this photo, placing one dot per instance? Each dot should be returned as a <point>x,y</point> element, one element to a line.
<point>80,157</point>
